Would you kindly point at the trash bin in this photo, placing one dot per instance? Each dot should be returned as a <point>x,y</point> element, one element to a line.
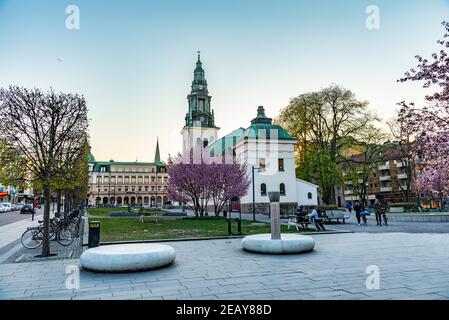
<point>94,234</point>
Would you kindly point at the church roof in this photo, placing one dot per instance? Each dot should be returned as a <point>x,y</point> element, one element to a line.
<point>261,128</point>
<point>226,142</point>
<point>90,158</point>
<point>157,156</point>
<point>267,131</point>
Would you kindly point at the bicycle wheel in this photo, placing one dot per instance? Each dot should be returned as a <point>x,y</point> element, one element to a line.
<point>65,237</point>
<point>32,238</point>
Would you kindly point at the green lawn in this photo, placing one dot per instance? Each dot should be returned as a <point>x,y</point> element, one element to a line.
<point>106,212</point>
<point>126,229</point>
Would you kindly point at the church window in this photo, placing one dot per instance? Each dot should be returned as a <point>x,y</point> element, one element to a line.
<point>201,104</point>
<point>282,189</point>
<point>263,189</point>
<point>309,195</point>
<point>281,164</point>
<point>262,164</point>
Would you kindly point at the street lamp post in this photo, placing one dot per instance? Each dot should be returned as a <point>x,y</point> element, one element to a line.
<point>254,192</point>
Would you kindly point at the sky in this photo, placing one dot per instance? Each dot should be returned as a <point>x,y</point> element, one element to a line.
<point>134,60</point>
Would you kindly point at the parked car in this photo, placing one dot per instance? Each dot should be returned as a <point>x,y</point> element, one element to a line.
<point>3,208</point>
<point>28,208</point>
<point>19,206</point>
<point>8,206</point>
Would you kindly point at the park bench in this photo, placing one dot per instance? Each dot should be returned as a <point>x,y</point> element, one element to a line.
<point>153,216</point>
<point>337,215</point>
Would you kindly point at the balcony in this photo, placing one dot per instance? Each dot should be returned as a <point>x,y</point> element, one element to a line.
<point>386,189</point>
<point>384,167</point>
<point>402,176</point>
<point>348,182</point>
<point>384,178</point>
<point>348,192</point>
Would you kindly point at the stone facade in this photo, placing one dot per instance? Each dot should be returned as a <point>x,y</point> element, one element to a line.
<point>128,183</point>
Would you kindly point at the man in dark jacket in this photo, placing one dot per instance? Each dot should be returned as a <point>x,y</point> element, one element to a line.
<point>358,208</point>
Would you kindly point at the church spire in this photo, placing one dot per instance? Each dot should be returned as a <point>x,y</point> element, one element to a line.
<point>157,156</point>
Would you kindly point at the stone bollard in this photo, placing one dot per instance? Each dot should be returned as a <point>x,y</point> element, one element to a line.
<point>275,209</point>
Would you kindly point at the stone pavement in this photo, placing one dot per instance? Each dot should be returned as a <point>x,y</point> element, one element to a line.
<point>411,266</point>
<point>13,231</point>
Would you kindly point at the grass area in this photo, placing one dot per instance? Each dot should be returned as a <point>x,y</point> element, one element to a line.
<point>106,212</point>
<point>126,229</point>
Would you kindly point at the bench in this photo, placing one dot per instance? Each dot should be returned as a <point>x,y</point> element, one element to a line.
<point>337,215</point>
<point>142,217</point>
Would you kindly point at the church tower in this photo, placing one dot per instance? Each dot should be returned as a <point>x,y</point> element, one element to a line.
<point>199,128</point>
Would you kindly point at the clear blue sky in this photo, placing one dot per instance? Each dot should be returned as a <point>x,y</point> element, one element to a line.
<point>134,60</point>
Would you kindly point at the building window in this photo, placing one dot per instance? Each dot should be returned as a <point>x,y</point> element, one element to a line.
<point>282,189</point>
<point>201,104</point>
<point>262,164</point>
<point>263,189</point>
<point>146,188</point>
<point>140,189</point>
<point>281,164</point>
<point>309,195</point>
<point>126,189</point>
<point>119,189</point>
<point>152,179</point>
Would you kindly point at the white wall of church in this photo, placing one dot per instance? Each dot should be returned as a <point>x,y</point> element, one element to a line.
<point>252,151</point>
<point>191,136</point>
<point>307,193</point>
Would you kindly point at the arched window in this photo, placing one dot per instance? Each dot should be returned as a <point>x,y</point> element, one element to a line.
<point>282,189</point>
<point>263,189</point>
<point>309,195</point>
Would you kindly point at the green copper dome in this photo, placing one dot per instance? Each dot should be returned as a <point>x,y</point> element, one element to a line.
<point>262,127</point>
<point>90,158</point>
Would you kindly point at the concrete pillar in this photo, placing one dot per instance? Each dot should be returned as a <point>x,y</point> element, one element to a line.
<point>275,208</point>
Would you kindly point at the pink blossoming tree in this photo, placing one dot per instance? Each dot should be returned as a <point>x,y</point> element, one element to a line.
<point>430,122</point>
<point>197,178</point>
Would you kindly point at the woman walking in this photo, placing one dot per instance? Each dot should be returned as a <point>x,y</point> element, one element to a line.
<point>358,208</point>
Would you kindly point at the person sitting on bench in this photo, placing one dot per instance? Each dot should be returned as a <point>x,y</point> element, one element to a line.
<point>301,217</point>
<point>315,217</point>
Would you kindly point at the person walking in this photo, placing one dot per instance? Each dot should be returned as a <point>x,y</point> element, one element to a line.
<point>358,208</point>
<point>378,212</point>
<point>349,206</point>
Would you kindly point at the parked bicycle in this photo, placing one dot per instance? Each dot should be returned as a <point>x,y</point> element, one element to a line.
<point>64,232</point>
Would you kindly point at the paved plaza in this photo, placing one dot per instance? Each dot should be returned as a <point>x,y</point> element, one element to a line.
<point>411,266</point>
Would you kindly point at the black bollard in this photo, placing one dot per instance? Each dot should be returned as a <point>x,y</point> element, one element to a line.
<point>229,226</point>
<point>239,225</point>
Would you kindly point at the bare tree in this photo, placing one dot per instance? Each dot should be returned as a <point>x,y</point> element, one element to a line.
<point>49,129</point>
<point>360,167</point>
<point>405,136</point>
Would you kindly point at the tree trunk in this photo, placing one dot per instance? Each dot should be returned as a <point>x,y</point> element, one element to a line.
<point>46,240</point>
<point>58,201</point>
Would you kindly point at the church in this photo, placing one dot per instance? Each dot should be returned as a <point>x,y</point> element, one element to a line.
<point>266,148</point>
